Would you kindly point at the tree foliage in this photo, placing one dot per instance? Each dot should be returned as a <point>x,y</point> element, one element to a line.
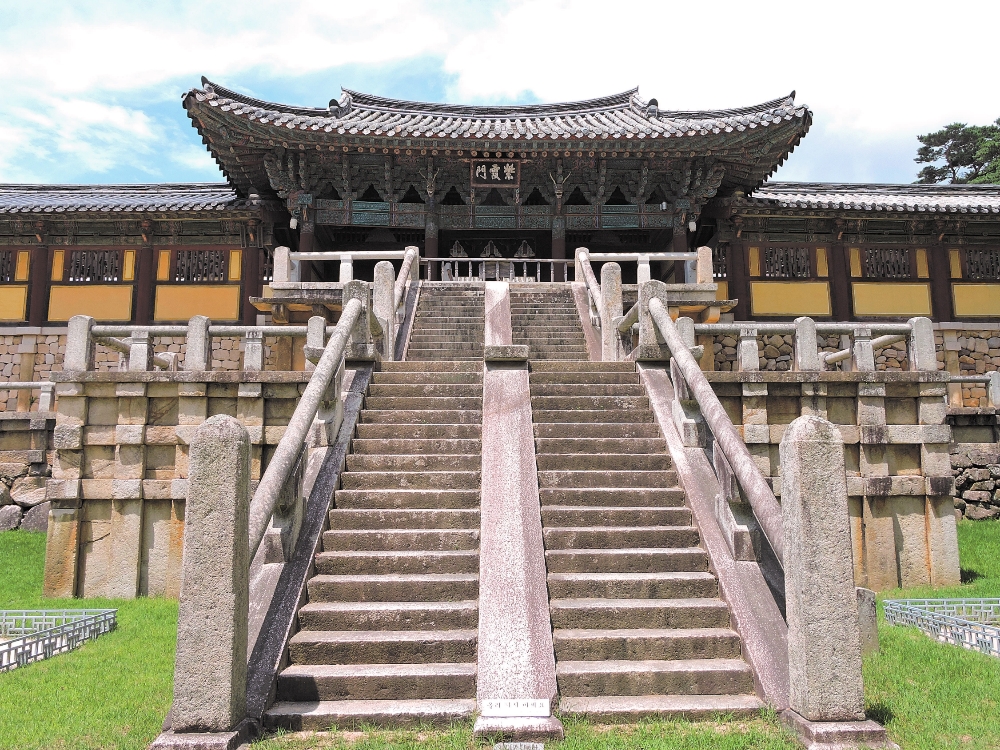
<point>960,153</point>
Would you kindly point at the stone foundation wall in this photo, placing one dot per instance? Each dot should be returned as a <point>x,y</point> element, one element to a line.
<point>775,353</point>
<point>969,351</point>
<point>25,457</point>
<point>977,481</point>
<point>119,470</point>
<point>896,450</point>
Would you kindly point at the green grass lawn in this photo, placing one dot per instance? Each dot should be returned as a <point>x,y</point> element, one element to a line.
<point>932,695</point>
<point>110,693</point>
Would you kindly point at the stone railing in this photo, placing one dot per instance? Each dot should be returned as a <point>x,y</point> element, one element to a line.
<point>228,523</point>
<point>287,268</point>
<point>513,270</point>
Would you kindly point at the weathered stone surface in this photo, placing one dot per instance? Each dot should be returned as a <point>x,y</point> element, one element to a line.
<point>37,519</point>
<point>868,620</point>
<point>824,639</point>
<point>211,663</point>
<point>982,513</point>
<point>10,517</point>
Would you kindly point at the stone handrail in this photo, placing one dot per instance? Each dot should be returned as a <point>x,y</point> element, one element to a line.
<point>990,379</point>
<point>593,288</point>
<point>489,269</point>
<point>761,498</point>
<point>917,332</point>
<point>284,269</point>
<point>46,387</point>
<point>408,273</point>
<point>287,454</point>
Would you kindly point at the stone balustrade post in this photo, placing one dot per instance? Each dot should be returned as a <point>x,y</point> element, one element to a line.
<point>210,672</point>
<point>993,389</point>
<point>198,349</point>
<point>824,639</point>
<point>611,292</point>
<point>140,352</point>
<point>282,265</point>
<point>704,273</point>
<point>359,344</point>
<point>384,306</point>
<point>921,348</point>
<point>253,350</point>
<point>642,271</point>
<point>864,353</point>
<point>806,346</point>
<point>346,268</point>
<point>79,344</point>
<point>747,358</point>
<point>652,345</point>
<point>315,341</point>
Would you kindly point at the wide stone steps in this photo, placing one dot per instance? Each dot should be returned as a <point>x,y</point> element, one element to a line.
<point>448,324</point>
<point>548,322</point>
<point>390,631</point>
<point>638,626</point>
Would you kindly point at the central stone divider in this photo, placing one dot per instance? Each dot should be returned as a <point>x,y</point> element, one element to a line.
<point>516,678</point>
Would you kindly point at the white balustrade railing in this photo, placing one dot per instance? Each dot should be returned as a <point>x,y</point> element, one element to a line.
<point>45,388</point>
<point>494,269</point>
<point>287,264</point>
<point>989,380</point>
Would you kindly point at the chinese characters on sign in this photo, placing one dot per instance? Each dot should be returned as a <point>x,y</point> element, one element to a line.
<point>490,173</point>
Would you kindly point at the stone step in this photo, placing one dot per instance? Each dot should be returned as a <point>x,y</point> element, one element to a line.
<point>425,390</point>
<point>671,585</point>
<point>438,356</point>
<point>588,430</point>
<point>382,646</point>
<point>312,682</point>
<point>389,615</point>
<point>573,403</point>
<point>414,480</point>
<point>423,587</point>
<point>572,390</point>
<point>587,367</point>
<point>319,716</point>
<point>415,367</point>
<point>415,445</point>
<point>422,416</point>
<point>544,348</point>
<point>635,708</point>
<point>397,562</point>
<point>645,643</point>
<point>416,431</point>
<point>400,539</point>
<point>569,515</point>
<point>602,461</point>
<point>652,445</point>
<point>394,518</point>
<point>428,378</point>
<point>406,499</point>
<point>444,340</point>
<point>544,357</point>
<point>413,462</point>
<point>611,496</point>
<point>620,537</point>
<point>607,614</point>
<point>446,351</point>
<point>649,560</point>
<point>678,677</point>
<point>598,416</point>
<point>588,378</point>
<point>604,478</point>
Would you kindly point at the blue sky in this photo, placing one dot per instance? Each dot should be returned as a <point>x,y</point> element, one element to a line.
<point>92,91</point>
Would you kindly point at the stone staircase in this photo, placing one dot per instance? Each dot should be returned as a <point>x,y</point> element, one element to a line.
<point>544,316</point>
<point>448,324</point>
<point>389,633</point>
<point>638,625</point>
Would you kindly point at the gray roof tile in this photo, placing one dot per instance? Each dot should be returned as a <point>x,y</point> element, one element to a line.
<point>49,199</point>
<point>972,199</point>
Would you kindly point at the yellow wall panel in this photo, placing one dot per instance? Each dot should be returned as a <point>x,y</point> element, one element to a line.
<point>163,266</point>
<point>922,272</point>
<point>955,262</point>
<point>723,290</point>
<point>790,298</point>
<point>884,298</point>
<point>128,270</point>
<point>57,265</point>
<point>976,300</point>
<point>101,301</point>
<point>755,261</point>
<point>235,264</point>
<point>13,303</point>
<point>21,270</point>
<point>855,253</point>
<point>218,302</point>
<point>822,266</point>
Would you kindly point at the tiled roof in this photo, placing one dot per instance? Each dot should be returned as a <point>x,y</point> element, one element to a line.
<point>970,199</point>
<point>48,199</point>
<point>622,115</point>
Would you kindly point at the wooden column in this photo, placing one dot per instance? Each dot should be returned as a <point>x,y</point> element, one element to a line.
<point>738,277</point>
<point>558,245</point>
<point>940,273</point>
<point>145,283</point>
<point>840,282</point>
<point>38,284</point>
<point>252,282</point>
<point>431,239</point>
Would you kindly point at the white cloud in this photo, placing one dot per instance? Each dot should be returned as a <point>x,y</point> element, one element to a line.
<point>81,81</point>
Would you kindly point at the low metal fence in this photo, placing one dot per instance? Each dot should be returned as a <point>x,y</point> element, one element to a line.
<point>27,636</point>
<point>970,623</point>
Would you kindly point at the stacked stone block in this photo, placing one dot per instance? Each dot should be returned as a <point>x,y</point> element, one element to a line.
<point>977,482</point>
<point>119,473</point>
<point>896,454</point>
<point>775,353</point>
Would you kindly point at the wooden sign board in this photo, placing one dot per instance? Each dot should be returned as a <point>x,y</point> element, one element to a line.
<point>498,173</point>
